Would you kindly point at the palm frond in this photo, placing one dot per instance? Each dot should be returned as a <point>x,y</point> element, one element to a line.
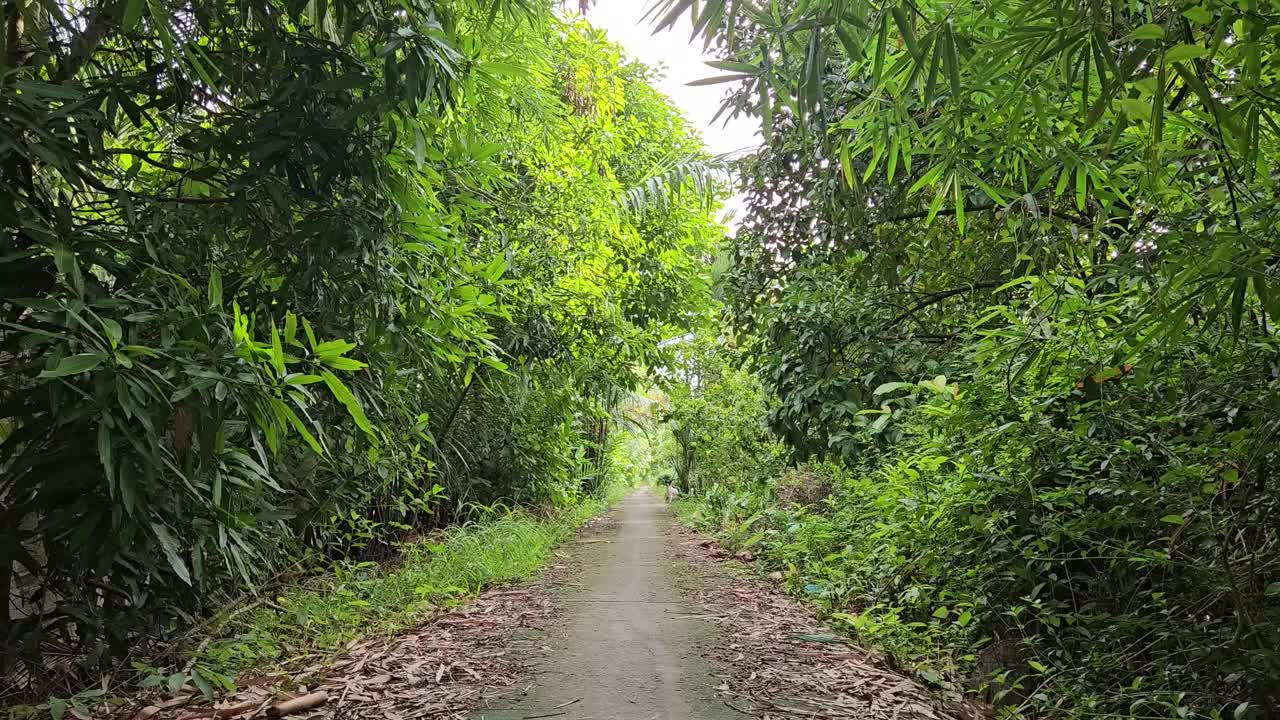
<point>674,179</point>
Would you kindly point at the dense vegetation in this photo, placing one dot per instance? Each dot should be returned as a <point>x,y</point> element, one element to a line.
<point>288,283</point>
<point>1000,381</point>
<point>989,371</point>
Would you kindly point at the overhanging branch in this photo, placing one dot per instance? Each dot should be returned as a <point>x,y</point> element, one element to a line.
<point>938,297</point>
<point>1072,218</point>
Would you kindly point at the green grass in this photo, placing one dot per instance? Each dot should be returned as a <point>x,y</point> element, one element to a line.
<point>363,599</point>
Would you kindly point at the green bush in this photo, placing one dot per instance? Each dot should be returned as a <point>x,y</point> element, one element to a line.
<point>1113,563</point>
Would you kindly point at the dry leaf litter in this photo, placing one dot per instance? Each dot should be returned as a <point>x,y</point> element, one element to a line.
<point>779,661</point>
<point>442,669</point>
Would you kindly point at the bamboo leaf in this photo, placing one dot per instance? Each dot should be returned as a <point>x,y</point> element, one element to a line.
<point>277,351</point>
<point>938,199</point>
<point>734,66</point>
<point>908,33</point>
<point>171,551</point>
<point>953,64</point>
<point>215,289</point>
<point>882,44</point>
<point>105,455</point>
<point>718,79</point>
<point>349,400</point>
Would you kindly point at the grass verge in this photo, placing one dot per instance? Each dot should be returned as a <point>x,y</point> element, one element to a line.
<point>361,599</point>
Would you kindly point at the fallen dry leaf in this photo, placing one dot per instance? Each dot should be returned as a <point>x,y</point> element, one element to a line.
<point>392,678</point>
<point>777,655</point>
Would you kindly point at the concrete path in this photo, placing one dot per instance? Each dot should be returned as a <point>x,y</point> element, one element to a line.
<point>627,647</point>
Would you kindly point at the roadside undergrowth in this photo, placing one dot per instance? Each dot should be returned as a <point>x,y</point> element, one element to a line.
<point>362,598</point>
<point>365,598</point>
<point>321,618</point>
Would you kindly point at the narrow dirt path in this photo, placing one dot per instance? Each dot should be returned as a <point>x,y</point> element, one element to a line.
<point>637,618</point>
<point>629,644</point>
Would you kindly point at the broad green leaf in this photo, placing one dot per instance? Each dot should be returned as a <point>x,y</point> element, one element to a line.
<point>1025,279</point>
<point>891,387</point>
<point>203,684</point>
<point>343,363</point>
<point>333,348</point>
<point>296,423</point>
<point>419,146</point>
<point>291,330</point>
<point>132,13</point>
<point>1199,15</point>
<point>112,330</point>
<point>47,90</point>
<point>1150,31</point>
<point>64,258</point>
<point>1134,108</point>
<point>74,365</point>
<point>301,379</point>
<point>846,166</point>
<point>1184,52</point>
<point>105,451</point>
<point>311,336</point>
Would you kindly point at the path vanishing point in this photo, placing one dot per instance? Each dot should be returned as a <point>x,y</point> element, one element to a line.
<point>628,645</point>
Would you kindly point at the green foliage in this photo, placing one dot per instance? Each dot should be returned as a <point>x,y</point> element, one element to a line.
<point>715,414</point>
<point>1040,545</point>
<point>1066,211</point>
<point>282,284</point>
<point>1051,565</point>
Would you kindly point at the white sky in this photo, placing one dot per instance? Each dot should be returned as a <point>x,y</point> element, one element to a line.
<point>680,62</point>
